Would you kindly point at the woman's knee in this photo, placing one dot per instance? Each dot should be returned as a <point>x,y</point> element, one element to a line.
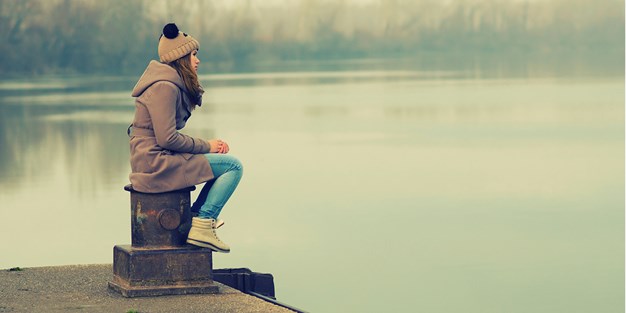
<point>224,162</point>
<point>236,164</point>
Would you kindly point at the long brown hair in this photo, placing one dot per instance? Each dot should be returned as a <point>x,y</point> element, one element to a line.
<point>190,79</point>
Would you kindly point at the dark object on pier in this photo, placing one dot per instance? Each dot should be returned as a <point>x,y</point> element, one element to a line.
<point>260,285</point>
<point>159,262</point>
<point>245,280</point>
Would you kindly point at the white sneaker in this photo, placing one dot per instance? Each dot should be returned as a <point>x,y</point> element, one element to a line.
<point>202,234</point>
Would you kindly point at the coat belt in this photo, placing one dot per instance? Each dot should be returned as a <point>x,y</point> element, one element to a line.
<point>135,131</point>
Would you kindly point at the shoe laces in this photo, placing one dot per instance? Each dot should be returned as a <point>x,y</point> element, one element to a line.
<point>215,233</point>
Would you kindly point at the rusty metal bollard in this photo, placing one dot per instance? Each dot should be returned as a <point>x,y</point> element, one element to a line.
<point>159,262</point>
<point>161,219</point>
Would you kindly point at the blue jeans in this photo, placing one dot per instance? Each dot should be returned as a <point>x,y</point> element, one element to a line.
<point>213,196</point>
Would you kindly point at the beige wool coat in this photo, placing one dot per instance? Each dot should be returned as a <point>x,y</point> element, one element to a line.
<point>161,158</point>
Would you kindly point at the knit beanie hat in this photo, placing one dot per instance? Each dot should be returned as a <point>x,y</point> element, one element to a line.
<point>174,44</point>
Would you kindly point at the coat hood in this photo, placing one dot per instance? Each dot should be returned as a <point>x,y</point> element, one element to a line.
<point>157,71</point>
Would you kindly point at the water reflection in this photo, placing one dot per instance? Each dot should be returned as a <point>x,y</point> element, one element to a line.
<point>92,152</point>
<point>373,191</point>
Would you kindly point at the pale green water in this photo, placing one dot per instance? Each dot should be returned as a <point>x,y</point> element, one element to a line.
<point>364,191</point>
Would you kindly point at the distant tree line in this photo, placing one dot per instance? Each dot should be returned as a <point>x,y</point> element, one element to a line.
<point>90,36</point>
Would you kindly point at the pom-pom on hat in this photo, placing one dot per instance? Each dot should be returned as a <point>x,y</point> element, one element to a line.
<point>174,44</point>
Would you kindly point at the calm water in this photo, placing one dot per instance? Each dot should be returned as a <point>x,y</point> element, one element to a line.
<point>378,189</point>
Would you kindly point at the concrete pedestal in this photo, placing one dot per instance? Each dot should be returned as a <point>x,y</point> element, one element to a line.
<point>156,272</point>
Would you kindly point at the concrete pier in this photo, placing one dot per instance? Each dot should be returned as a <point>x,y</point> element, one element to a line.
<point>83,288</point>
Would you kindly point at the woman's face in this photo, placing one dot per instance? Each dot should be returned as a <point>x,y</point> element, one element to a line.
<point>194,60</point>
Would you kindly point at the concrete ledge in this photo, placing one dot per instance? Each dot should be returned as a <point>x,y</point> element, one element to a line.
<point>83,288</point>
<point>158,272</point>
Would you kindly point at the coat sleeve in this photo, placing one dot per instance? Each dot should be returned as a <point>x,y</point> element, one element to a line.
<point>161,105</point>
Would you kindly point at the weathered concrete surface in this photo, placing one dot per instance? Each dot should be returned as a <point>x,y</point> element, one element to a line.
<point>83,288</point>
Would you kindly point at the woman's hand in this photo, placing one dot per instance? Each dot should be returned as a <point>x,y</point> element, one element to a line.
<point>225,148</point>
<point>218,146</point>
